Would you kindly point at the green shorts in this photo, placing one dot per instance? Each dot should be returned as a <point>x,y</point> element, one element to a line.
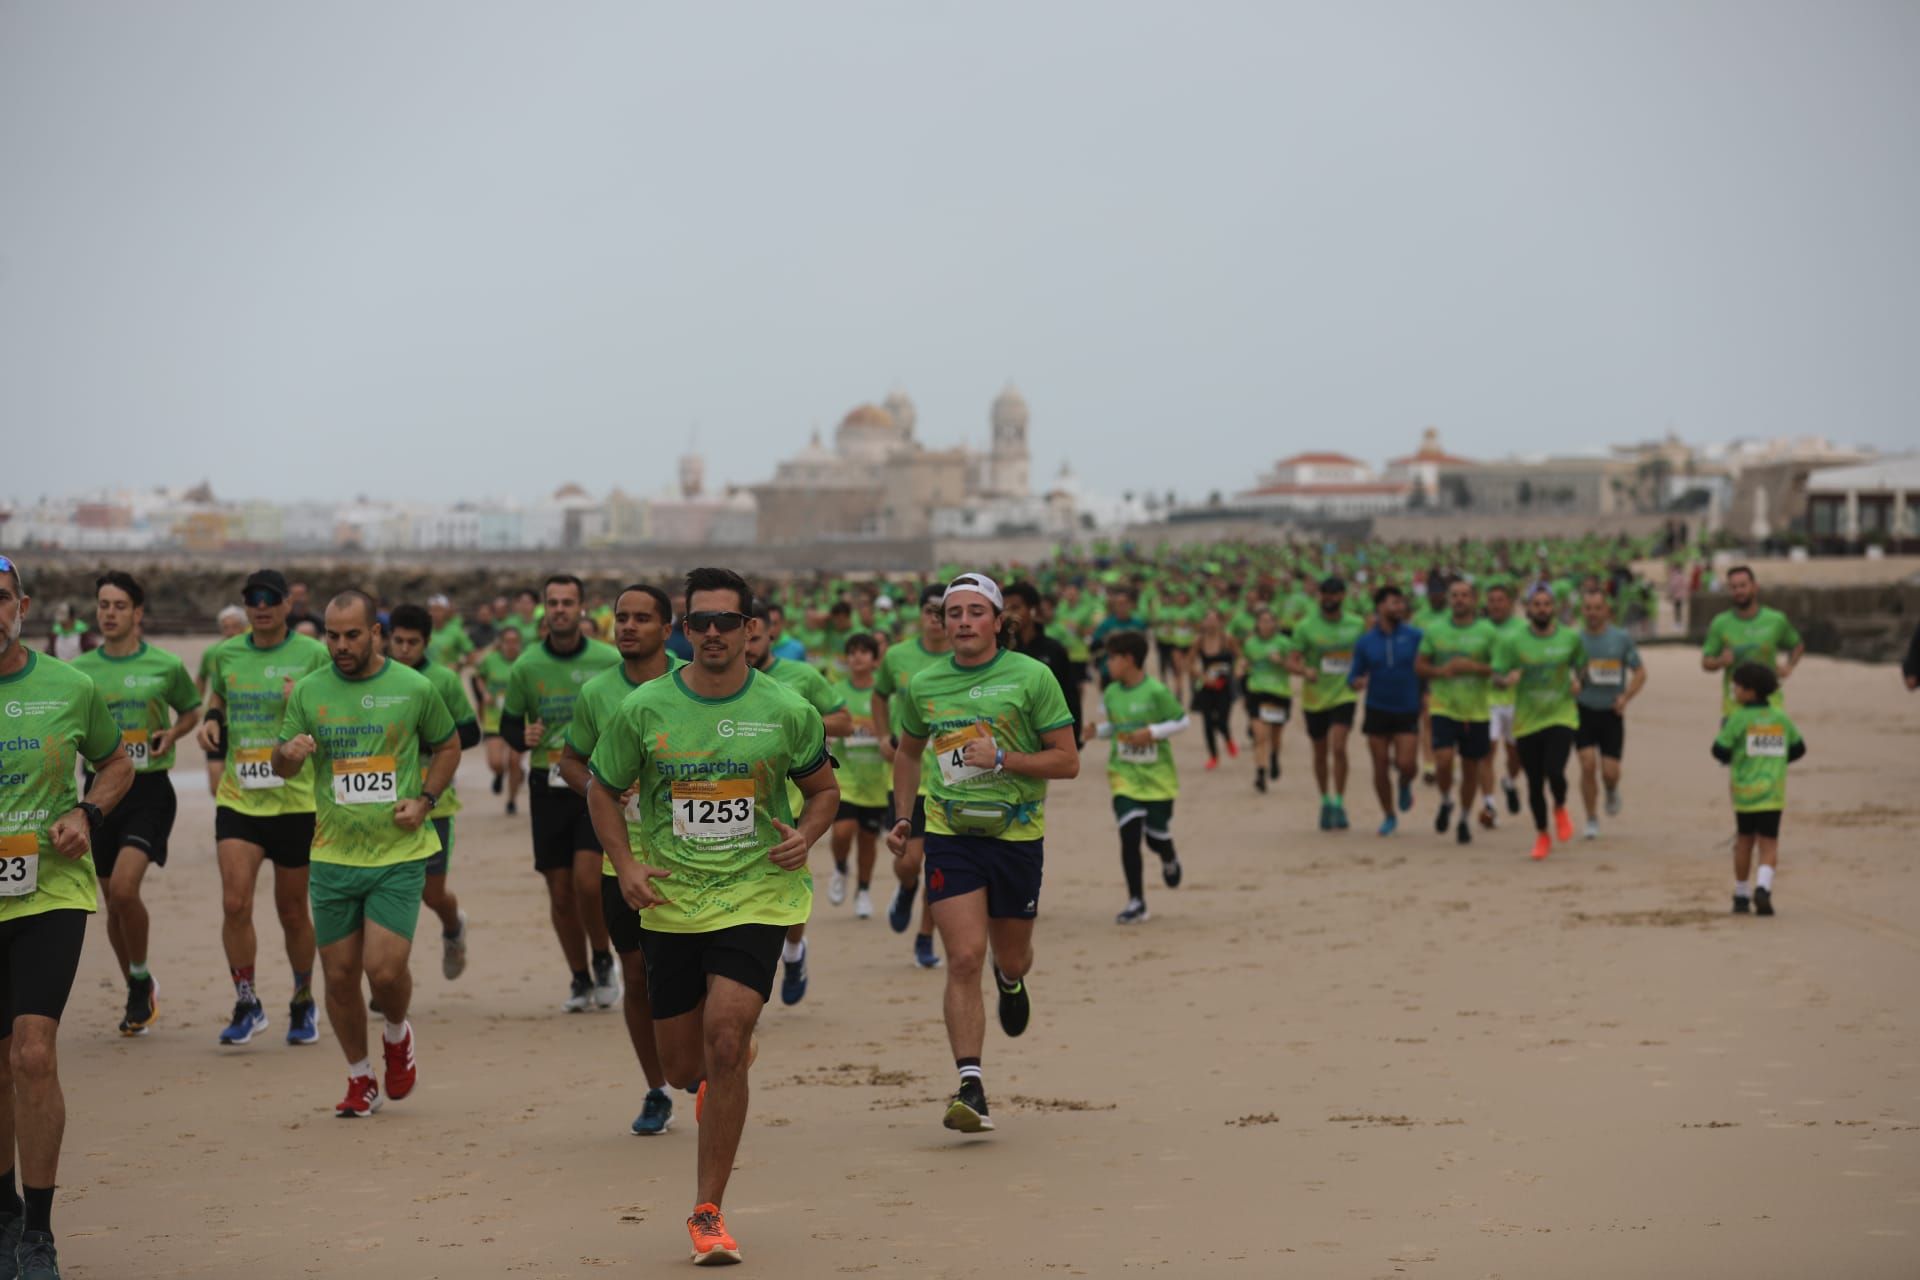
<point>344,898</point>
<point>1157,813</point>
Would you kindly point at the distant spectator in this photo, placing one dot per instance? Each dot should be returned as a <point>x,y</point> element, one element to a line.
<point>1910,665</point>
<point>71,636</point>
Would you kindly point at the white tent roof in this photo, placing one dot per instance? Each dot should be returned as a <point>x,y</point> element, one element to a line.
<point>1882,476</point>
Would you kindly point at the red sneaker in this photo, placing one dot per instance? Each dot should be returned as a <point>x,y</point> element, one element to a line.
<point>708,1231</point>
<point>401,1072</point>
<point>1542,846</point>
<point>363,1098</point>
<point>1563,825</point>
<point>1213,762</point>
<point>1233,748</point>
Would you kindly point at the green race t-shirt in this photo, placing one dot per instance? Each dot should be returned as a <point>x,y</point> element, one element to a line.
<point>864,775</point>
<point>1759,737</point>
<point>713,775</point>
<point>1513,626</point>
<point>1463,698</point>
<point>143,691</point>
<point>1761,638</point>
<point>54,715</point>
<point>1327,649</point>
<point>1547,664</point>
<point>543,686</point>
<point>1267,664</point>
<point>599,699</point>
<point>899,664</point>
<point>254,684</point>
<point>369,734</point>
<point>1141,773</point>
<point>1011,697</point>
<point>449,645</point>
<point>824,695</point>
<point>494,669</point>
<point>460,708</point>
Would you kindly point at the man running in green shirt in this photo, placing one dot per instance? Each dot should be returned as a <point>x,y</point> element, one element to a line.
<point>262,816</point>
<point>642,618</point>
<point>541,690</point>
<point>448,645</point>
<point>55,718</point>
<point>1322,656</point>
<point>1749,632</point>
<point>1542,666</point>
<point>1268,680</point>
<point>490,678</point>
<point>827,699</point>
<point>864,777</point>
<point>899,664</point>
<point>1456,658</point>
<point>1506,622</point>
<point>708,751</point>
<point>410,631</point>
<point>1000,731</point>
<point>152,699</point>
<point>1142,714</point>
<point>363,723</point>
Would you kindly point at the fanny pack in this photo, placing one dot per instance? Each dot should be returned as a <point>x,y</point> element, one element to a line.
<point>985,818</point>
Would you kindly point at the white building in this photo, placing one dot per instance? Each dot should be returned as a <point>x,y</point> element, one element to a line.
<point>1325,484</point>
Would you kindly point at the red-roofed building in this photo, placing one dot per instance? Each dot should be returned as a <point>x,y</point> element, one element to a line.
<point>1326,484</point>
<point>1423,468</point>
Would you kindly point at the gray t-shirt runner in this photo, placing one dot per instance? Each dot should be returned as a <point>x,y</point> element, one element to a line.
<point>1611,655</point>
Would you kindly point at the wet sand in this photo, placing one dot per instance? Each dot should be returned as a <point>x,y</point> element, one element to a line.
<point>1326,1055</point>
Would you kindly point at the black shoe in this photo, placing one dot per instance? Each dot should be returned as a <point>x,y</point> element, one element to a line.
<point>512,808</point>
<point>140,1007</point>
<point>1170,872</point>
<point>1260,781</point>
<point>1015,1007</point>
<point>11,1228</point>
<point>1463,834</point>
<point>1763,902</point>
<point>1444,817</point>
<point>499,783</point>
<point>1740,906</point>
<point>36,1258</point>
<point>967,1112</point>
<point>1513,797</point>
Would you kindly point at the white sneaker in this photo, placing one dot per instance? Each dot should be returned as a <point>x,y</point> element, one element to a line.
<point>863,905</point>
<point>606,986</point>
<point>1613,802</point>
<point>837,887</point>
<point>1593,828</point>
<point>453,952</point>
<point>579,996</point>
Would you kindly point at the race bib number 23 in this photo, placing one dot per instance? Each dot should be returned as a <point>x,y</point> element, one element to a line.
<point>19,865</point>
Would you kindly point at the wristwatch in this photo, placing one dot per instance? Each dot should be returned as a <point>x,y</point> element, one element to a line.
<point>1000,760</point>
<point>94,816</point>
<point>432,798</point>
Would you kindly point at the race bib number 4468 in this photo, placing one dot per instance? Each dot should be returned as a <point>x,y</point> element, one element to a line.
<point>1767,741</point>
<point>713,808</point>
<point>254,765</point>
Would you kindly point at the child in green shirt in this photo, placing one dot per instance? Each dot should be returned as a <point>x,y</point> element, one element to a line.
<point>1757,741</point>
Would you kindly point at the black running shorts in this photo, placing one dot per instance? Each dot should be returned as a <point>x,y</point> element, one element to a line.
<point>1601,727</point>
<point>562,826</point>
<point>1318,722</point>
<point>871,818</point>
<point>287,838</point>
<point>1764,823</point>
<point>1471,738</point>
<point>623,922</point>
<point>142,819</point>
<point>1390,724</point>
<point>39,956</point>
<point>679,965</point>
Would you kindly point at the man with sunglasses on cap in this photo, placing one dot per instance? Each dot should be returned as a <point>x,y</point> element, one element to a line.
<point>542,688</point>
<point>55,716</point>
<point>898,665</point>
<point>260,815</point>
<point>151,697</point>
<point>1000,731</point>
<point>708,751</point>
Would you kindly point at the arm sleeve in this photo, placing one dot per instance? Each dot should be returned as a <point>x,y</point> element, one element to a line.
<point>1722,753</point>
<point>1796,749</point>
<point>1164,729</point>
<point>513,730</point>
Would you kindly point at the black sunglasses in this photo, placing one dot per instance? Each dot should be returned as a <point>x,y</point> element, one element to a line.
<point>260,597</point>
<point>706,620</point>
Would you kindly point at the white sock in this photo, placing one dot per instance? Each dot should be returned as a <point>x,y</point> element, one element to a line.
<point>792,951</point>
<point>364,1067</point>
<point>1741,889</point>
<point>394,1032</point>
<point>1766,878</point>
<point>1486,802</point>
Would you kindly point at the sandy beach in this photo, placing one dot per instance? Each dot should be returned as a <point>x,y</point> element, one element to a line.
<point>1328,1054</point>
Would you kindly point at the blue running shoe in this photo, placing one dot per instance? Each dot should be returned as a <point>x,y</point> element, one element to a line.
<point>1406,795</point>
<point>923,953</point>
<point>1340,822</point>
<point>1326,816</point>
<point>1387,827</point>
<point>656,1113</point>
<point>301,1028</point>
<point>900,910</point>
<point>793,983</point>
<point>248,1018</point>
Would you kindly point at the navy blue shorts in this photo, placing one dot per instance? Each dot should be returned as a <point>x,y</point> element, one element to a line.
<point>1469,737</point>
<point>1009,870</point>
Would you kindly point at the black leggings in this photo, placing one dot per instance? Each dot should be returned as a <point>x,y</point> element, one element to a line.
<point>1216,711</point>
<point>39,956</point>
<point>1543,755</point>
<point>1130,854</point>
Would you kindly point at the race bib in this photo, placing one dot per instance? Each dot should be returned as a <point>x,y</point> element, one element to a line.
<point>254,766</point>
<point>366,780</point>
<point>19,865</point>
<point>1606,671</point>
<point>1220,672</point>
<point>949,746</point>
<point>1270,714</point>
<point>862,735</point>
<point>1130,754</point>
<point>135,742</point>
<point>553,775</point>
<point>713,808</point>
<point>1767,742</point>
<point>1336,664</point>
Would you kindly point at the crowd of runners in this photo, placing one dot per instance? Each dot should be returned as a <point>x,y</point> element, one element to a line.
<point>684,746</point>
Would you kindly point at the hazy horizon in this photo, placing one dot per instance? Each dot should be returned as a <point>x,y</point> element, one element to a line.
<point>447,251</point>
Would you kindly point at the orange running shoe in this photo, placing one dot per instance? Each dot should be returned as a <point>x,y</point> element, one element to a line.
<point>708,1231</point>
<point>699,1101</point>
<point>1542,846</point>
<point>1563,825</point>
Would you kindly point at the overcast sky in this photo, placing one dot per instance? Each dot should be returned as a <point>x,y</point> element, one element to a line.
<point>452,249</point>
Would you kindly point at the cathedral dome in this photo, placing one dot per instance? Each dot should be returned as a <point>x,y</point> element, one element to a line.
<point>1010,410</point>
